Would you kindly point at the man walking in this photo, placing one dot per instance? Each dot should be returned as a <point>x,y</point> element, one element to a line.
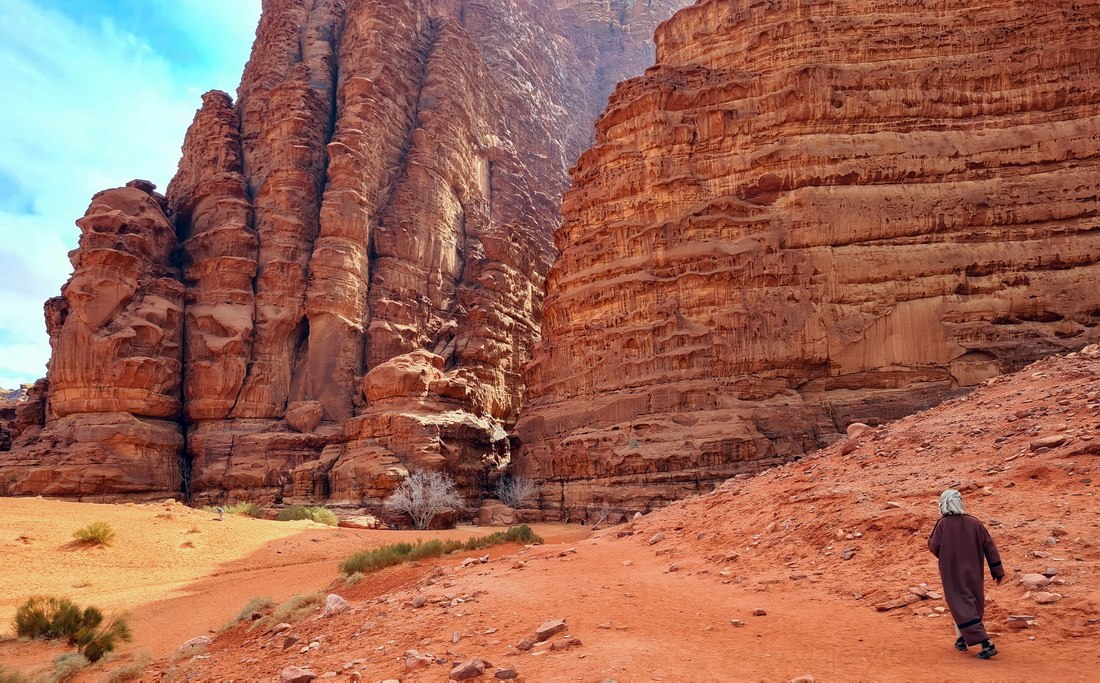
<point>961,542</point>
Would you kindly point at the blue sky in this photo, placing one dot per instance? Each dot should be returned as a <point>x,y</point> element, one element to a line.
<point>95,93</point>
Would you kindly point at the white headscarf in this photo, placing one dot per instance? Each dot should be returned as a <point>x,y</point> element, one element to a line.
<point>951,503</point>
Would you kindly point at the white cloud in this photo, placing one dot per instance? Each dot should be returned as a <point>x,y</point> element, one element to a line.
<point>87,108</point>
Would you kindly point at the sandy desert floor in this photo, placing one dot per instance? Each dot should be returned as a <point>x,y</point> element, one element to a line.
<point>816,545</point>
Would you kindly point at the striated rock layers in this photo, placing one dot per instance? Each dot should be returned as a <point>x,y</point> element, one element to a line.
<point>345,279</point>
<point>809,214</point>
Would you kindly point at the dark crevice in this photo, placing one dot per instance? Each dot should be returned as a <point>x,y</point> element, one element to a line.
<point>425,50</point>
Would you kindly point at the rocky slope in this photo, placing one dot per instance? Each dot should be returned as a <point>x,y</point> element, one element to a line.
<point>345,277</point>
<point>807,215</point>
<point>786,569</point>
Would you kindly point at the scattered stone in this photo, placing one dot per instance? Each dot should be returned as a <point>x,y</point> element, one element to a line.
<point>296,674</point>
<point>566,643</point>
<point>279,628</point>
<point>627,563</point>
<point>367,625</point>
<point>892,505</point>
<point>506,673</point>
<point>903,601</point>
<point>549,628</point>
<point>1020,621</point>
<point>1050,572</point>
<point>848,554</point>
<point>737,623</point>
<point>759,613</point>
<point>334,604</point>
<point>329,674</point>
<point>1052,441</point>
<point>1044,598</point>
<point>455,636</point>
<point>1059,532</point>
<point>804,678</point>
<point>605,625</point>
<point>414,659</point>
<point>673,568</point>
<point>1034,581</point>
<point>525,644</point>
<point>657,538</point>
<point>468,670</point>
<point>933,595</point>
<point>418,601</point>
<point>637,515</point>
<point>1051,540</point>
<point>519,564</point>
<point>289,641</point>
<point>197,642</point>
<point>858,429</point>
<point>919,592</point>
<point>797,577</point>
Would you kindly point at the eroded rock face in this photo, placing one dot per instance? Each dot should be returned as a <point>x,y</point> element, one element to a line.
<point>381,197</point>
<point>110,425</point>
<point>776,235</point>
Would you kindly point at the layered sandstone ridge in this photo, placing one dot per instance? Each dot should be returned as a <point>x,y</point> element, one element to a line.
<point>345,279</point>
<point>809,214</point>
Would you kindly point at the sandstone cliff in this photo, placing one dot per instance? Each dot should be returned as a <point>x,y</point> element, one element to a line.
<point>808,214</point>
<point>345,278</point>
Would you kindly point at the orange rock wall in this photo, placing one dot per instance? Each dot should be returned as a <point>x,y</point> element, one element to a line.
<point>808,214</point>
<point>381,196</point>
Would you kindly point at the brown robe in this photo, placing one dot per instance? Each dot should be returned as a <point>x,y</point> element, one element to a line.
<point>960,542</point>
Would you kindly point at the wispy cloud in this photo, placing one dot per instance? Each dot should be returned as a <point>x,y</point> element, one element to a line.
<point>96,93</point>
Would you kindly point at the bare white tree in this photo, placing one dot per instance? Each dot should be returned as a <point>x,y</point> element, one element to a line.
<point>514,491</point>
<point>422,495</point>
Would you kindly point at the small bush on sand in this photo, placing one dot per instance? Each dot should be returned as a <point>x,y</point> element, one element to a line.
<point>422,496</point>
<point>367,561</point>
<point>514,491</point>
<point>66,666</point>
<point>298,607</point>
<point>317,514</point>
<point>131,671</point>
<point>51,618</point>
<point>96,533</point>
<point>246,509</point>
<point>353,578</point>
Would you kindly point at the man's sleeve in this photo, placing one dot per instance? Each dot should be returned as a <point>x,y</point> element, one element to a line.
<point>996,569</point>
<point>935,538</point>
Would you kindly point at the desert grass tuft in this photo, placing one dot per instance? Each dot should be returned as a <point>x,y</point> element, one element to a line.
<point>320,515</point>
<point>130,672</point>
<point>12,676</point>
<point>96,533</point>
<point>299,607</point>
<point>367,561</point>
<point>67,665</point>
<point>254,605</point>
<point>353,578</point>
<point>246,510</point>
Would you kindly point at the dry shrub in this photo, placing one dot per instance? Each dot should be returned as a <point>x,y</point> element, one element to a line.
<point>96,533</point>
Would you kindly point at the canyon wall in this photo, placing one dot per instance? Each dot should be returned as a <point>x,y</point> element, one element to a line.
<point>809,214</point>
<point>345,278</point>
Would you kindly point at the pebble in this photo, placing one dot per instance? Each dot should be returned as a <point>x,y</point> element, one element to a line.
<point>507,673</point>
<point>759,613</point>
<point>296,674</point>
<point>548,629</point>
<point>469,669</point>
<point>1044,598</point>
<point>737,623</point>
<point>657,538</point>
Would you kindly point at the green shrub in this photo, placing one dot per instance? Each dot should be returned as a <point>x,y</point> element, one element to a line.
<point>246,509</point>
<point>298,607</point>
<point>293,513</point>
<point>53,618</point>
<point>96,533</point>
<point>366,561</point>
<point>67,665</point>
<point>323,516</point>
<point>317,514</point>
<point>254,605</point>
